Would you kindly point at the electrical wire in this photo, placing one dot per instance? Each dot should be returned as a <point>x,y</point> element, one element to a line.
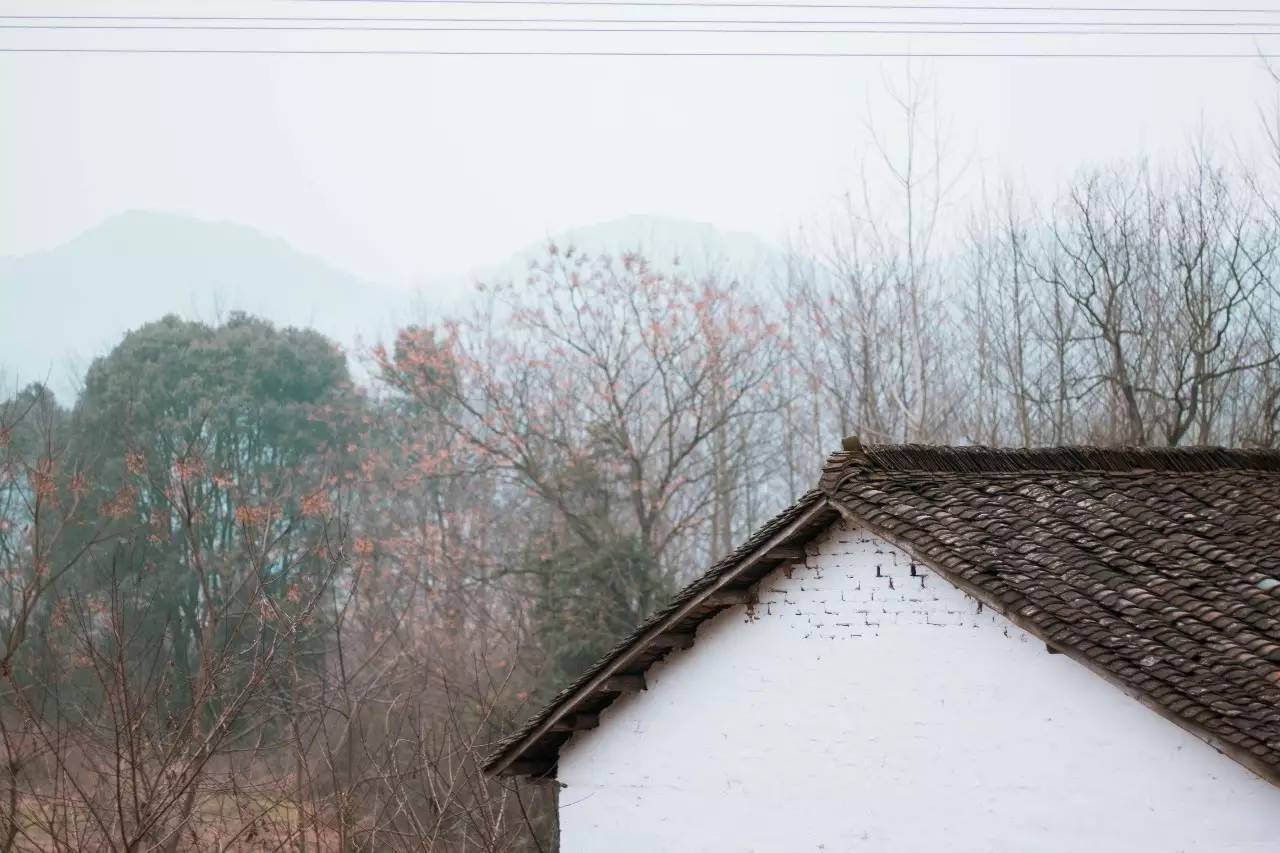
<point>594,29</point>
<point>1190,28</point>
<point>736,4</point>
<point>635,53</point>
<point>692,21</point>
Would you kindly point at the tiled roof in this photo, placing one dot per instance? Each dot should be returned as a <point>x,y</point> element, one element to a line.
<point>1157,569</point>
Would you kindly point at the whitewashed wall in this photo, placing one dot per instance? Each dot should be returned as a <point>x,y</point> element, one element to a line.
<point>868,705</point>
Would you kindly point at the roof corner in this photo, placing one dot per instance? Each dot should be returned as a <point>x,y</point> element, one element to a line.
<point>850,454</point>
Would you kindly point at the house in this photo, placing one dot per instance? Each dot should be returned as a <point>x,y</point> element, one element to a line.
<point>951,648</point>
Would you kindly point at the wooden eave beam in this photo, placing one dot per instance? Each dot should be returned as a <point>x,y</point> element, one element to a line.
<point>529,767</point>
<point>728,597</point>
<point>623,683</point>
<point>576,723</point>
<point>786,552</point>
<point>673,640</point>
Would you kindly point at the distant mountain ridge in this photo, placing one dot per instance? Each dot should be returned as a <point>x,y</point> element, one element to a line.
<point>62,307</point>
<point>692,249</point>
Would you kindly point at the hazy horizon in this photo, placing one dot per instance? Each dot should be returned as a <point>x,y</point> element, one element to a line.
<point>400,180</point>
<point>411,169</point>
<point>136,266</point>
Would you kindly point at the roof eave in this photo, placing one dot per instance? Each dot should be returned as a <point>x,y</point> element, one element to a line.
<point>509,761</point>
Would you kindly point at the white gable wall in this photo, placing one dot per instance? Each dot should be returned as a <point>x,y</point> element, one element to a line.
<point>866,704</point>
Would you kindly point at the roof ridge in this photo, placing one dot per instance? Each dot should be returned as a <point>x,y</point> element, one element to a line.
<point>978,459</point>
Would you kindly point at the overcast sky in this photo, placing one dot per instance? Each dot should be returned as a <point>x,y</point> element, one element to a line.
<point>407,168</point>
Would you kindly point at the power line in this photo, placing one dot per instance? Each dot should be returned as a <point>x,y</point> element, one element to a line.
<point>735,4</point>
<point>636,53</point>
<point>593,29</point>
<point>753,26</point>
<point>692,21</point>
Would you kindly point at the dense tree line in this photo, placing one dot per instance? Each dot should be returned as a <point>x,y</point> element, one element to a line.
<point>248,603</point>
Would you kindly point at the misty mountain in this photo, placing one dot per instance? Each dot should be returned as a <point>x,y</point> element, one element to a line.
<point>674,246</point>
<point>62,307</point>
